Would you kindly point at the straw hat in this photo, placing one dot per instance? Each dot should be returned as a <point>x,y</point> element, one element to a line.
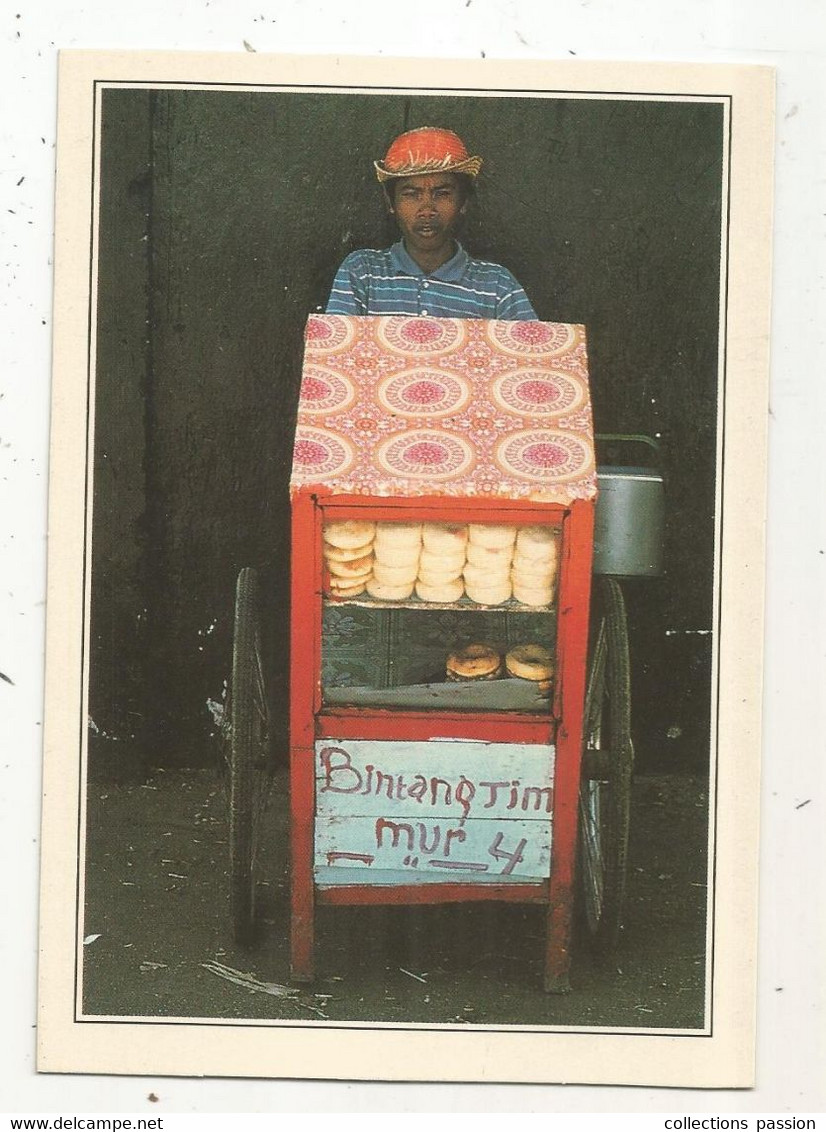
<point>428,149</point>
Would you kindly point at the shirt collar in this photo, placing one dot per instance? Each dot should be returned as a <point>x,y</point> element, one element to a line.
<point>449,272</point>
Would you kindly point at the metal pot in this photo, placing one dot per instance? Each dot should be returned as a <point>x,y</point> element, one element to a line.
<point>630,514</point>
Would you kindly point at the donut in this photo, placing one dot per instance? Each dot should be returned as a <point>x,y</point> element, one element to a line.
<point>474,662</point>
<point>355,568</point>
<point>537,542</point>
<point>346,554</point>
<point>342,583</point>
<point>395,536</point>
<point>493,556</point>
<point>445,538</point>
<point>348,533</point>
<point>530,662</point>
<point>337,585</point>
<point>446,592</point>
<point>490,534</point>
<point>486,577</point>
<point>537,586</point>
<point>436,560</point>
<point>439,576</point>
<point>406,556</point>
<point>385,592</point>
<point>533,595</point>
<point>394,575</point>
<point>533,567</point>
<point>489,595</point>
<point>351,590</point>
<point>533,587</point>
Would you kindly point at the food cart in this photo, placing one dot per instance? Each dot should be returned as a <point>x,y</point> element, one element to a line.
<point>450,740</point>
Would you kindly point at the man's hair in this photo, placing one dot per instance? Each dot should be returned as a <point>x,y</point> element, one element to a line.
<point>464,182</point>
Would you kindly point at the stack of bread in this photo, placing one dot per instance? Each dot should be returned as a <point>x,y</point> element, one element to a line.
<point>397,548</point>
<point>534,565</point>
<point>487,570</point>
<point>348,552</point>
<point>442,561</point>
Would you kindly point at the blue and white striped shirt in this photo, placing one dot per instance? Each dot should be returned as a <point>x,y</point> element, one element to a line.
<point>370,281</point>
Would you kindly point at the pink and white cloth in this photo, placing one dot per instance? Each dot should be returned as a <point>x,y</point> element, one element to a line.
<point>405,406</point>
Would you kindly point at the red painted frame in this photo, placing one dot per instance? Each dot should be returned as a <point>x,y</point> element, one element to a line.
<point>308,720</point>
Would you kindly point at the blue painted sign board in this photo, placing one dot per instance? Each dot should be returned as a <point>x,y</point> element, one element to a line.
<point>441,811</point>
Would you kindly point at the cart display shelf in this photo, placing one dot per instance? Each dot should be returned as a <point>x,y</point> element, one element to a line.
<point>463,605</point>
<point>481,695</point>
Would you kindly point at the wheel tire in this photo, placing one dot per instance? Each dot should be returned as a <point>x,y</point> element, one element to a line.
<point>249,763</point>
<point>605,790</point>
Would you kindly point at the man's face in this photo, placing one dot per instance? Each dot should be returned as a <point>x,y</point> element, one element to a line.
<point>428,210</point>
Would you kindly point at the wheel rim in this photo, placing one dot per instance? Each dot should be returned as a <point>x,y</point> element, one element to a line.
<point>249,737</point>
<point>591,799</point>
<point>605,796</point>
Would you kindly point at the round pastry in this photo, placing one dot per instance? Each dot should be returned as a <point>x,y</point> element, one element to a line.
<point>406,558</point>
<point>395,536</point>
<point>474,662</point>
<point>445,592</point>
<point>491,534</point>
<point>533,567</point>
<point>530,662</point>
<point>537,542</point>
<point>489,595</point>
<point>385,592</point>
<point>533,589</point>
<point>494,557</point>
<point>445,538</point>
<point>448,561</point>
<point>439,576</point>
<point>395,575</point>
<point>484,577</point>
<point>339,585</point>
<point>352,589</point>
<point>346,554</point>
<point>348,533</point>
<point>532,595</point>
<point>355,568</point>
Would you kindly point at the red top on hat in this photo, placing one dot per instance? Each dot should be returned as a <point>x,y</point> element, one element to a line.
<point>428,149</point>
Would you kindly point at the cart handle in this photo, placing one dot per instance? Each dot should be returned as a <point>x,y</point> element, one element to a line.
<point>632,438</point>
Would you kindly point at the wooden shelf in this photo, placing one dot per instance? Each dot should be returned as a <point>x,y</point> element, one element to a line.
<point>507,693</point>
<point>464,605</point>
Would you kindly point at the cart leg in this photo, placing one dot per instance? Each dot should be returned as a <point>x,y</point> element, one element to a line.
<point>302,906</point>
<point>557,950</point>
<point>302,891</point>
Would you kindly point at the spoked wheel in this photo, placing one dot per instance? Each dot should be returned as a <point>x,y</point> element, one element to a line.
<point>608,764</point>
<point>248,736</point>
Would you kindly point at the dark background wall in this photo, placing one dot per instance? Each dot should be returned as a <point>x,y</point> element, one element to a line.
<point>223,218</point>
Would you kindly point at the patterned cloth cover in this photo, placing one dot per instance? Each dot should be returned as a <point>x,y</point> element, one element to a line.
<point>406,406</point>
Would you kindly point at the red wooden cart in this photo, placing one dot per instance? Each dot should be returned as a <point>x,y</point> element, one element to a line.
<point>405,787</point>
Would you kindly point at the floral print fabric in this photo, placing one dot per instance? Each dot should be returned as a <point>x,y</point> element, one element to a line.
<point>408,406</point>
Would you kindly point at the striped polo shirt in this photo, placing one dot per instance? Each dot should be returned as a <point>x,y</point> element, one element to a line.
<point>370,281</point>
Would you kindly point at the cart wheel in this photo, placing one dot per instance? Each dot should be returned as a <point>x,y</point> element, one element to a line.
<point>608,763</point>
<point>249,754</point>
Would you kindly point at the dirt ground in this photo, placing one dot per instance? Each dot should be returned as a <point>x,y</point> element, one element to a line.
<point>159,944</point>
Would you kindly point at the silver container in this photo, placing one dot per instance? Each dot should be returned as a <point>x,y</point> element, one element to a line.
<point>630,518</point>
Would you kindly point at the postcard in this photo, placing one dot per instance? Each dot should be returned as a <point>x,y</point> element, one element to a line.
<point>406,569</point>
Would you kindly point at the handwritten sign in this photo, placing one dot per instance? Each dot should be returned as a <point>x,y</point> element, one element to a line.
<point>435,812</point>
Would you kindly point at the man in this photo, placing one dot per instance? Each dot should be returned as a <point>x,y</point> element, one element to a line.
<point>427,176</point>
